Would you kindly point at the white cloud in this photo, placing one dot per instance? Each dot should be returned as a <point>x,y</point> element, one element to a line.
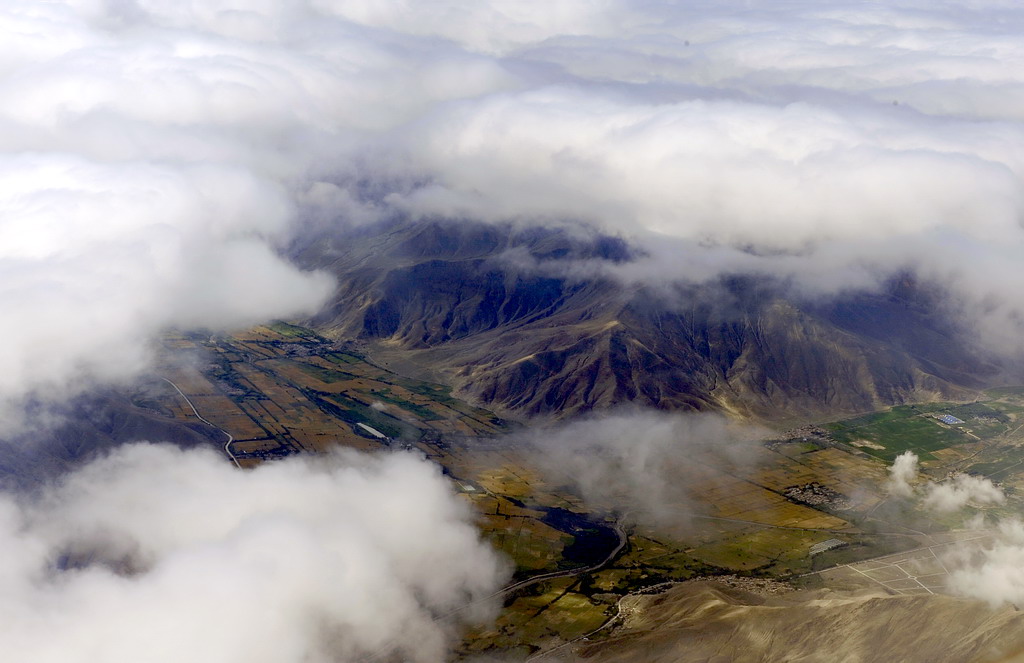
<point>763,140</point>
<point>776,178</point>
<point>721,138</point>
<point>96,259</point>
<point>902,473</point>
<point>154,156</point>
<point>497,27</point>
<point>646,463</point>
<point>993,572</point>
<point>175,555</point>
<point>961,490</point>
<point>946,496</point>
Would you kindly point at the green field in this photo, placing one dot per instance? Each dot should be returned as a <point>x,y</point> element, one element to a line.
<point>326,375</point>
<point>422,412</point>
<point>915,428</point>
<point>903,428</point>
<point>291,331</point>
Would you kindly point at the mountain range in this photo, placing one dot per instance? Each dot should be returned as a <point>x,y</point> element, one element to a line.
<point>535,322</point>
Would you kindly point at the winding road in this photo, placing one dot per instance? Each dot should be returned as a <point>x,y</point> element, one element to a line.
<point>227,445</point>
<point>623,539</point>
<point>553,575</point>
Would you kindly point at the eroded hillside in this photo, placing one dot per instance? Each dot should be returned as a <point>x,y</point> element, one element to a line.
<point>536,322</point>
<point>708,621</point>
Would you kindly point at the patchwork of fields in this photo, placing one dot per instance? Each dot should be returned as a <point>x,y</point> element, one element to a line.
<point>281,389</point>
<point>918,428</point>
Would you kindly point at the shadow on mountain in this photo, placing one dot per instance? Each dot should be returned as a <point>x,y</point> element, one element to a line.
<point>534,322</point>
<point>87,427</point>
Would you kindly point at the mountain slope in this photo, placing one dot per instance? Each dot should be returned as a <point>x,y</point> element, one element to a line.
<point>89,426</point>
<point>527,321</point>
<point>704,621</point>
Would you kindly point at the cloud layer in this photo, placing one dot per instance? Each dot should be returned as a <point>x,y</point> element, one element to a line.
<point>993,572</point>
<point>645,463</point>
<point>902,473</point>
<point>153,156</point>
<point>990,572</point>
<point>832,145</point>
<point>159,554</point>
<point>946,496</point>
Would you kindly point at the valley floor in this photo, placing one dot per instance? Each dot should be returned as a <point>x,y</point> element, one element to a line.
<point>763,513</point>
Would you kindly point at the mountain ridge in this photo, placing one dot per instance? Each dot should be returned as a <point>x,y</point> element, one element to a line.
<point>532,322</point>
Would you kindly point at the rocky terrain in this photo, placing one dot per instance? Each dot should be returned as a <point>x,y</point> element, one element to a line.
<point>711,622</point>
<point>90,425</point>
<point>534,322</point>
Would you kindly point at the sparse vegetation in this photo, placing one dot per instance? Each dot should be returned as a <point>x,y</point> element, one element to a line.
<point>282,389</point>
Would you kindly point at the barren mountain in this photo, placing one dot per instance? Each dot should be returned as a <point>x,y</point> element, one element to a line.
<point>88,426</point>
<point>710,623</point>
<point>533,322</point>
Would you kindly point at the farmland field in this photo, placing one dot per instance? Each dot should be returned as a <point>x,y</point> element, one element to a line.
<point>904,428</point>
<point>282,389</point>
